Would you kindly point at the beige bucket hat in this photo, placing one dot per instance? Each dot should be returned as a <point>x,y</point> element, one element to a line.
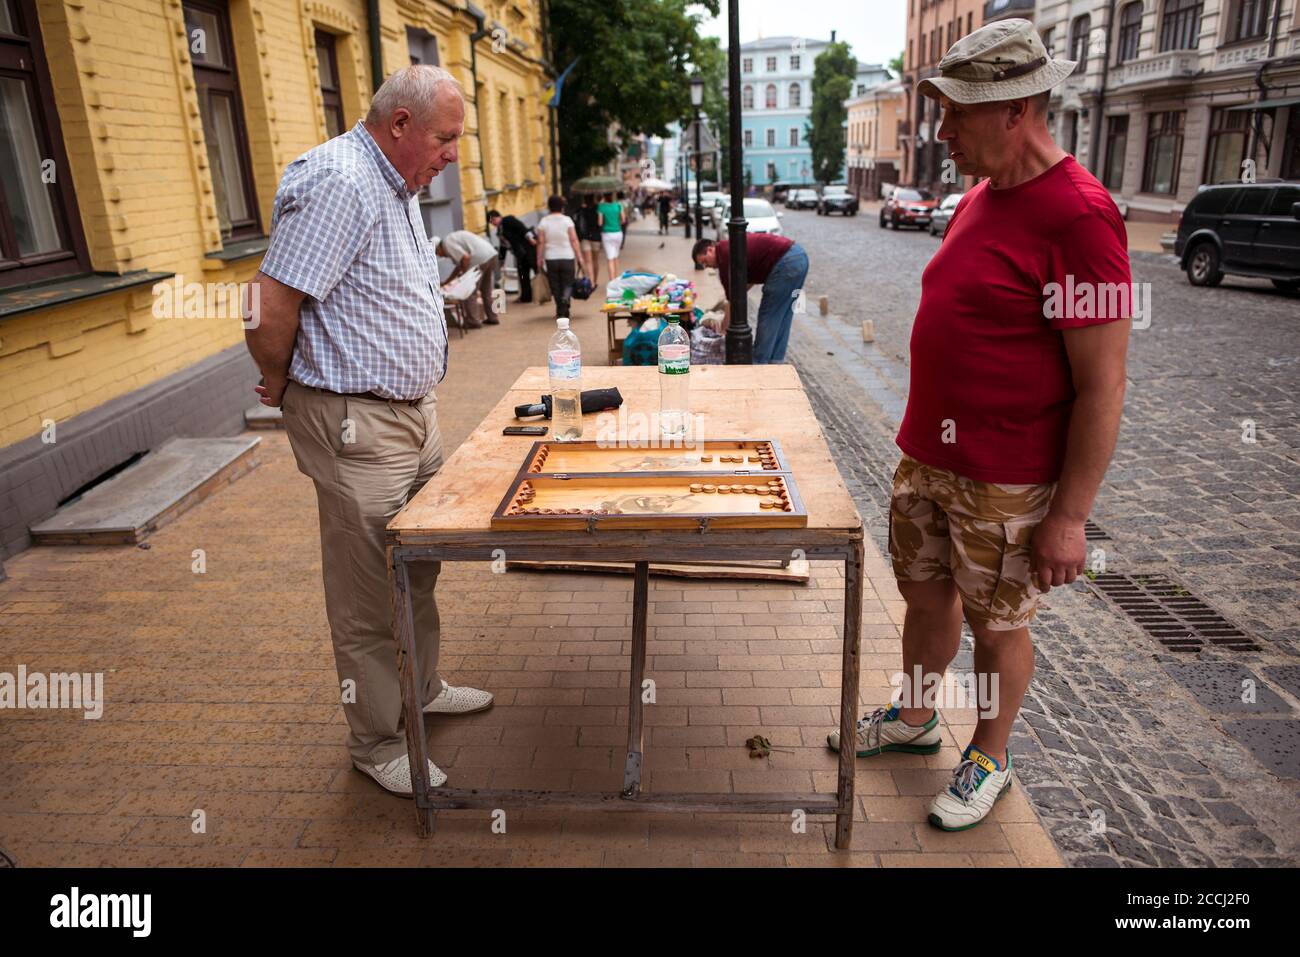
<point>1000,61</point>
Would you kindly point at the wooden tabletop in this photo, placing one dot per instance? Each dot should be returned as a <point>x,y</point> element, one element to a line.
<point>737,402</point>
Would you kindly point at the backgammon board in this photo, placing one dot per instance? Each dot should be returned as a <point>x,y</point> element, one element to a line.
<point>735,483</point>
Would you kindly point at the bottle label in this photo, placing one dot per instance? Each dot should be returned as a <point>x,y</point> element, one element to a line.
<point>565,364</point>
<point>674,359</point>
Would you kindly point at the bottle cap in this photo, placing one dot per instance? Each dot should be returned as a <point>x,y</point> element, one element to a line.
<point>562,322</point>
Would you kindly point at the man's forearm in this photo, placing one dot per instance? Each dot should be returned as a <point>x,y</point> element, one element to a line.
<point>273,328</point>
<point>1094,429</point>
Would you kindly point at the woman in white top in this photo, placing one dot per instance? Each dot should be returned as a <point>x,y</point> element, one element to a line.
<point>558,253</point>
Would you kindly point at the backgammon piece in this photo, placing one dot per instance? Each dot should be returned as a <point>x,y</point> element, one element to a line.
<point>706,458</point>
<point>753,458</point>
<point>710,488</point>
<point>751,489</point>
<point>766,504</point>
<point>724,489</point>
<point>697,487</point>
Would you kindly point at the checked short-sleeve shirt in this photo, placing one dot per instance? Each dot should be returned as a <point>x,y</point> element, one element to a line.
<point>348,233</point>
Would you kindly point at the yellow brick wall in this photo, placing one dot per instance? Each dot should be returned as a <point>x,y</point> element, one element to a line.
<point>124,90</point>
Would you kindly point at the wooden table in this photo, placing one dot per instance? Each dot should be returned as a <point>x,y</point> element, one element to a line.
<point>449,520</point>
<point>636,316</point>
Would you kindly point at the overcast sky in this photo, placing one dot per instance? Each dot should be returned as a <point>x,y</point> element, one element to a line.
<point>876,29</point>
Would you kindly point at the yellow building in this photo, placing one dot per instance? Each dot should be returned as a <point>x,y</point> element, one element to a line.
<point>141,144</point>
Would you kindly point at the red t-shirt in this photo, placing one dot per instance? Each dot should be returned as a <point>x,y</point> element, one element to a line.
<point>762,251</point>
<point>991,390</point>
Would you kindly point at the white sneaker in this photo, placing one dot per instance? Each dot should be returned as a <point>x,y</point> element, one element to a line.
<point>459,701</point>
<point>395,776</point>
<point>882,731</point>
<point>977,783</point>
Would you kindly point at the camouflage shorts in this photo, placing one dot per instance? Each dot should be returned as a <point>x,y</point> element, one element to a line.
<point>942,525</point>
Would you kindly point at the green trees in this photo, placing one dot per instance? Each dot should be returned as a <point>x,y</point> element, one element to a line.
<point>633,75</point>
<point>833,73</point>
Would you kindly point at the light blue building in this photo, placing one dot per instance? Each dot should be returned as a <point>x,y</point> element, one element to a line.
<point>776,76</point>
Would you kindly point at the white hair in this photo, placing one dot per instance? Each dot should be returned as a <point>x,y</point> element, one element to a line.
<point>415,88</point>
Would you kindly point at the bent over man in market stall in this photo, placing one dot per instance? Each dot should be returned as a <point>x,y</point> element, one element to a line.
<point>351,340</point>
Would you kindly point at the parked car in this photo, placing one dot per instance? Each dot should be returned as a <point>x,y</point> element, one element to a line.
<point>939,220</point>
<point>1242,230</point>
<point>760,217</point>
<point>801,199</point>
<point>837,199</point>
<point>908,207</point>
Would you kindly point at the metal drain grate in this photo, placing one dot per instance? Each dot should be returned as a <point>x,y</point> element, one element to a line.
<point>1092,532</point>
<point>1169,613</point>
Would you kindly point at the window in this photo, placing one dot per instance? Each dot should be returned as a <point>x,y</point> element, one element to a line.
<point>1180,27</point>
<point>212,54</point>
<point>749,137</point>
<point>1130,31</point>
<point>1047,41</point>
<point>911,60</point>
<point>771,178</point>
<point>40,231</point>
<point>794,63</point>
<point>1284,197</point>
<point>770,139</point>
<point>796,95</point>
<point>747,65</point>
<point>1249,19</point>
<point>769,96</point>
<point>1253,201</point>
<point>794,136</point>
<point>1229,131</point>
<point>1079,31</point>
<point>328,63</point>
<point>968,21</point>
<point>1164,152</point>
<point>747,98</point>
<point>771,64</point>
<point>1116,146</point>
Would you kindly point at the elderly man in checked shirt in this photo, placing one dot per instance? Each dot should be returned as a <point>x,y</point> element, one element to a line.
<point>351,340</point>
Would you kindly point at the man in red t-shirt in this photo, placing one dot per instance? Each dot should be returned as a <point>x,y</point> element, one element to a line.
<point>1017,387</point>
<point>780,265</point>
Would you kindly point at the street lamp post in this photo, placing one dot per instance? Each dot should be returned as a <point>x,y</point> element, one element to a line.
<point>740,338</point>
<point>697,98</point>
<point>686,184</point>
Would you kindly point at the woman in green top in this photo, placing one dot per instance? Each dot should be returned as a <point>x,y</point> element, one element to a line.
<point>611,216</point>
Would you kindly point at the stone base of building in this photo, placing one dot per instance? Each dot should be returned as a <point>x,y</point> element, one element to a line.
<point>205,399</point>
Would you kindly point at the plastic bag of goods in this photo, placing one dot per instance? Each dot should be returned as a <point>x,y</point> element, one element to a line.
<point>707,347</point>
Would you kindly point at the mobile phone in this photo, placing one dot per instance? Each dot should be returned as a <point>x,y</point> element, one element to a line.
<point>524,430</point>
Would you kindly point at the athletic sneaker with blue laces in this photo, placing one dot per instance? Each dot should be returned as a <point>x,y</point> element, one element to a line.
<point>883,730</point>
<point>976,785</point>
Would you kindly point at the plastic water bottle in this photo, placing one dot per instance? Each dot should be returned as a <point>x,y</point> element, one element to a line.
<point>674,379</point>
<point>564,360</point>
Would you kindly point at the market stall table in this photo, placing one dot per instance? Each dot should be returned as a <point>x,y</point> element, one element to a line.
<point>450,519</point>
<point>635,317</point>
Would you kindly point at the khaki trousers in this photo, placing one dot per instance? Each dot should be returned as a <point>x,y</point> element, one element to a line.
<point>368,458</point>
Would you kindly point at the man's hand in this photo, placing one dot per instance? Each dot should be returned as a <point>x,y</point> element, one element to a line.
<point>271,392</point>
<point>1058,551</point>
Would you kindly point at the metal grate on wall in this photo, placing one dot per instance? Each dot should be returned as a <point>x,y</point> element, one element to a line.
<point>1169,613</point>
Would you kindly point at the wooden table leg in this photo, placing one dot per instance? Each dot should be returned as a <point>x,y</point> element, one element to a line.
<point>404,633</point>
<point>640,601</point>
<point>849,694</point>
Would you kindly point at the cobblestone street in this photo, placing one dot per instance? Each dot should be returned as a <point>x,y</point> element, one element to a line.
<point>1137,746</point>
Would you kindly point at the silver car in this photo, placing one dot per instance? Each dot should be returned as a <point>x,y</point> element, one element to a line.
<point>939,219</point>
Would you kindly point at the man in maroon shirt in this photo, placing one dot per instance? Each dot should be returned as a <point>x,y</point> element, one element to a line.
<point>1017,387</point>
<point>781,265</point>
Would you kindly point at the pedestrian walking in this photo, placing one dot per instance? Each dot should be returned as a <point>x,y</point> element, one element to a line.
<point>1014,406</point>
<point>613,216</point>
<point>780,265</point>
<point>587,221</point>
<point>664,204</point>
<point>558,254</point>
<point>351,340</point>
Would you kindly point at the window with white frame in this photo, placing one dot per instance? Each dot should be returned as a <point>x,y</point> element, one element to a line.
<point>771,137</point>
<point>796,95</point>
<point>794,136</point>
